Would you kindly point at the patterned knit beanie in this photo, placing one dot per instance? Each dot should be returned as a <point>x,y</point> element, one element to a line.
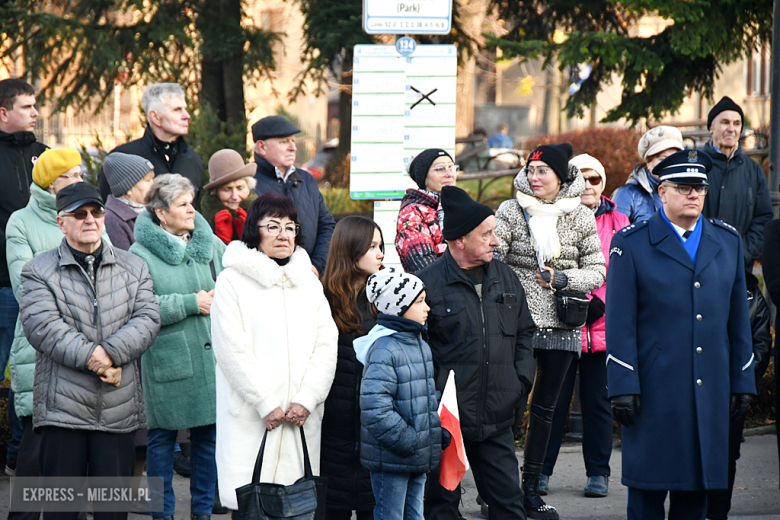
<point>392,291</point>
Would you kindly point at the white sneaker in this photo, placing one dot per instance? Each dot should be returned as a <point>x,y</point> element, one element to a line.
<point>10,472</point>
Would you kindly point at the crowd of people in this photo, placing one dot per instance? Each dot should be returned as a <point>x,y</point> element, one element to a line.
<point>155,315</point>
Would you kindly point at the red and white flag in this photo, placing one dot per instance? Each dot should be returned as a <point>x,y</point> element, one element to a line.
<point>453,460</point>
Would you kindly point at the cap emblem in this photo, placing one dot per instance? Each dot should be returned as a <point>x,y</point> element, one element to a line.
<point>535,156</point>
<point>693,156</point>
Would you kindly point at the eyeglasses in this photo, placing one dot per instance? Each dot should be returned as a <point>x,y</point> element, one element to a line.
<point>275,229</point>
<point>454,168</point>
<point>593,181</point>
<point>81,214</point>
<point>79,176</point>
<point>540,172</point>
<point>684,189</point>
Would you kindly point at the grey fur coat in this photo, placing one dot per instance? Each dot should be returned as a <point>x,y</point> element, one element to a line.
<point>581,259</point>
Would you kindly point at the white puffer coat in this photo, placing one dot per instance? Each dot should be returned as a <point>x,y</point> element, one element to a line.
<point>580,260</point>
<point>275,343</point>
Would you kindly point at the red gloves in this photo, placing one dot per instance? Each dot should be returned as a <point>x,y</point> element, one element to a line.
<point>238,222</point>
<point>223,225</point>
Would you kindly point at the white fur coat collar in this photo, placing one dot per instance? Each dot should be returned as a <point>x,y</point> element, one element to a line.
<point>258,266</point>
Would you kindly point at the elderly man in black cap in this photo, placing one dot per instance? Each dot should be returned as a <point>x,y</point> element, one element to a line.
<point>479,326</point>
<point>274,138</point>
<point>89,310</point>
<point>679,350</point>
<point>739,194</point>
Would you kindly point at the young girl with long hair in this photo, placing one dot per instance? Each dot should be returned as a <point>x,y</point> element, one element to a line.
<point>356,252</point>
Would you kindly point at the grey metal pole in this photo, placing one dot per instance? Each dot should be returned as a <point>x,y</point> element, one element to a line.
<point>774,126</point>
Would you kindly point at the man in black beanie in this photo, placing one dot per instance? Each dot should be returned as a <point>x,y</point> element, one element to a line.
<point>480,327</point>
<point>738,194</point>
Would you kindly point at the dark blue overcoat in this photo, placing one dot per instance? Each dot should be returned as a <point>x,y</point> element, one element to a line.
<point>678,334</point>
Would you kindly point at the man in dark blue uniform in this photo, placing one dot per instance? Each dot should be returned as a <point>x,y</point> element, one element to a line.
<point>679,349</point>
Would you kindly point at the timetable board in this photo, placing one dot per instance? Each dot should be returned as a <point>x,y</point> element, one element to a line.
<point>401,105</point>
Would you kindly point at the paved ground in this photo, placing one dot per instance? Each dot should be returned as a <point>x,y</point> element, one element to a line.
<point>756,494</point>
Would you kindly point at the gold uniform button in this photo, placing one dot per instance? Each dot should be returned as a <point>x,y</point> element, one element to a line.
<point>697,285</point>
<point>698,317</point>
<point>698,350</point>
<point>698,382</point>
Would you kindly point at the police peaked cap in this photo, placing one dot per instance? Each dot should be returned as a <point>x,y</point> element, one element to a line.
<point>684,167</point>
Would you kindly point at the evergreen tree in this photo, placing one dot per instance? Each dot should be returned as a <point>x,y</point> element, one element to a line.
<point>657,72</point>
<point>79,49</point>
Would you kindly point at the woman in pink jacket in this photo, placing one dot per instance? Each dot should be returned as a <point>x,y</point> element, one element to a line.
<point>596,412</point>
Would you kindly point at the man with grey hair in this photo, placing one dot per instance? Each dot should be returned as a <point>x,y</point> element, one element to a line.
<point>163,141</point>
<point>88,335</point>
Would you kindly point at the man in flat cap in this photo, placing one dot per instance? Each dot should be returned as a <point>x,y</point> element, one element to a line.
<point>739,194</point>
<point>89,310</point>
<point>274,138</point>
<point>479,326</point>
<point>679,349</point>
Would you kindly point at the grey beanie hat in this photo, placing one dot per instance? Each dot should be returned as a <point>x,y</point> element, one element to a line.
<point>123,171</point>
<point>392,291</point>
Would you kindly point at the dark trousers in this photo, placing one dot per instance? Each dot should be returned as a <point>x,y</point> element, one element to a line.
<point>649,505</point>
<point>67,452</point>
<point>16,430</point>
<point>494,466</point>
<point>596,415</point>
<point>719,500</point>
<point>551,369</point>
<point>28,462</point>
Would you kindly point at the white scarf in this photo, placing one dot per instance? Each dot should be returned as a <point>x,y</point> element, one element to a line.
<point>543,223</point>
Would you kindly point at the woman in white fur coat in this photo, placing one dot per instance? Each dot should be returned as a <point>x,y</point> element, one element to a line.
<point>276,348</point>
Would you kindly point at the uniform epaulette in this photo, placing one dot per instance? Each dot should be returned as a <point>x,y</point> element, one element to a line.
<point>636,226</point>
<point>722,224</point>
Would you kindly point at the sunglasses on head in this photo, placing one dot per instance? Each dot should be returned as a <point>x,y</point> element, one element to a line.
<point>81,214</point>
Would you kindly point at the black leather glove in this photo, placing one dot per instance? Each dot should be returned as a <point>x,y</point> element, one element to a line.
<point>446,439</point>
<point>595,310</point>
<point>739,405</point>
<point>626,408</point>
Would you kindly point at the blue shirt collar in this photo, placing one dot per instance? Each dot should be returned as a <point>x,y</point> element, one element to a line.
<point>691,245</point>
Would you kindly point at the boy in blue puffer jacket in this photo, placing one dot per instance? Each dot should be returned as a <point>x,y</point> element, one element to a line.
<point>400,432</point>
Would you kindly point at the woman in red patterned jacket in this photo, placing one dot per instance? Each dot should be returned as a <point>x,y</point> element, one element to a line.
<point>419,239</point>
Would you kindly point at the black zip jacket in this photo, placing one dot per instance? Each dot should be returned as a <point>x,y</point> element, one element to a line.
<point>188,162</point>
<point>487,342</point>
<point>316,222</point>
<point>739,195</point>
<point>18,153</point>
<point>759,326</point>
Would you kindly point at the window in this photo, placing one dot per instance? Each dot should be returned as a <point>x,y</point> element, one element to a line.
<point>757,77</point>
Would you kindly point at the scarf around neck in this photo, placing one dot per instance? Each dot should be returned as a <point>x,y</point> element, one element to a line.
<point>138,208</point>
<point>543,223</point>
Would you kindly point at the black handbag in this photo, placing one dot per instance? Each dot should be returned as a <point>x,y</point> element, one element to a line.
<point>303,500</point>
<point>572,307</point>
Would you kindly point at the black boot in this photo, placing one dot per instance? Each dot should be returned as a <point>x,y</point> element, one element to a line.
<point>533,503</point>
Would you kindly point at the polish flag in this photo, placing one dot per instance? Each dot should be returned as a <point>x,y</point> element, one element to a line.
<point>453,460</point>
